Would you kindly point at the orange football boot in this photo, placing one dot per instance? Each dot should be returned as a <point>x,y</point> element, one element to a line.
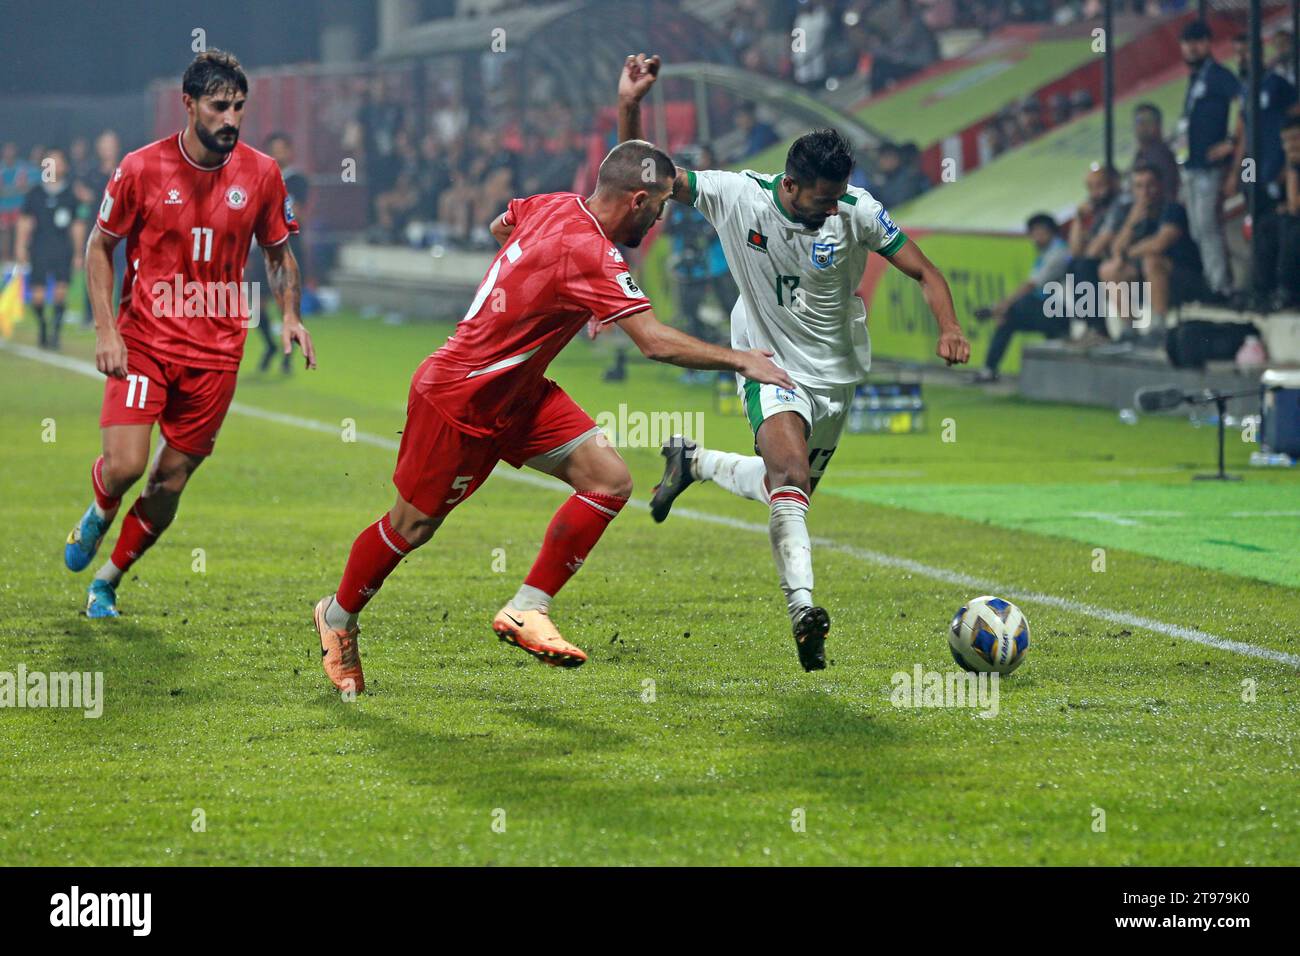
<point>339,654</point>
<point>533,632</point>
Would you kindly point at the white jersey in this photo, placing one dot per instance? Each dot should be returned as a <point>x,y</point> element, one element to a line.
<point>798,286</point>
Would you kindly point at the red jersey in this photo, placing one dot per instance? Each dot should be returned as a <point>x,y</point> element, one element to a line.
<point>188,232</point>
<point>557,270</point>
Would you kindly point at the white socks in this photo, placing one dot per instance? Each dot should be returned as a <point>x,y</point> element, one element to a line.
<point>740,474</point>
<point>791,547</point>
<point>529,598</point>
<point>337,618</point>
<point>110,572</point>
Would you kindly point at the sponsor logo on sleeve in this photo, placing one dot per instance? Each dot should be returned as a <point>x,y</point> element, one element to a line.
<point>288,209</point>
<point>106,207</point>
<point>629,286</point>
<point>886,223</point>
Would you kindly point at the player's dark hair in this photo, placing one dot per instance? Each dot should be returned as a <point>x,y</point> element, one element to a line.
<point>213,71</point>
<point>1149,108</point>
<point>821,154</point>
<point>629,165</point>
<point>1041,219</point>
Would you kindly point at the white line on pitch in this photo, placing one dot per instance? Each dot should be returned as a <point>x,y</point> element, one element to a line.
<point>956,578</point>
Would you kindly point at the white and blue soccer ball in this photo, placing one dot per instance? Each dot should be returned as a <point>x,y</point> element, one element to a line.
<point>990,635</point>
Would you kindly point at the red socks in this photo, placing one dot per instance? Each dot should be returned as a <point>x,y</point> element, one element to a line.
<point>573,532</point>
<point>106,504</point>
<point>376,552</point>
<point>136,537</point>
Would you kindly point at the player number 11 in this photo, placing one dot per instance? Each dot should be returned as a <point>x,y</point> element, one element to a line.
<point>202,244</point>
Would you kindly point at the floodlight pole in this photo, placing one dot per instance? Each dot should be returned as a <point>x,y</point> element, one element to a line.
<point>1108,82</point>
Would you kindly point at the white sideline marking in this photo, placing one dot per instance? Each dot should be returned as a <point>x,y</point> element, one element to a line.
<point>864,554</point>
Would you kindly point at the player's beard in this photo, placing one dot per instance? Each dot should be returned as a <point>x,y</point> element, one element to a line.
<point>211,142</point>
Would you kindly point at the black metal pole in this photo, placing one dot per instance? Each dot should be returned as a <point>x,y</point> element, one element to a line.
<point>1255,141</point>
<point>1108,82</point>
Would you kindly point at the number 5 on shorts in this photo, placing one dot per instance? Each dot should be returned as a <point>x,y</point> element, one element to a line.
<point>461,484</point>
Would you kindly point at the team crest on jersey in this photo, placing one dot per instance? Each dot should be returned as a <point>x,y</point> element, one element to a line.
<point>823,254</point>
<point>757,240</point>
<point>236,197</point>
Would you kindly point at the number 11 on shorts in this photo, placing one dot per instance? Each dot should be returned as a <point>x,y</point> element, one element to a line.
<point>131,382</point>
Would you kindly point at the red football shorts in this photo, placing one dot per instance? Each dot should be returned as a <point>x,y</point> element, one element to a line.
<point>188,403</point>
<point>439,466</point>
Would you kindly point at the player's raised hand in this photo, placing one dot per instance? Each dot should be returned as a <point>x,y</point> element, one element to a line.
<point>110,353</point>
<point>292,331</point>
<point>639,74</point>
<point>953,347</point>
<point>758,366</point>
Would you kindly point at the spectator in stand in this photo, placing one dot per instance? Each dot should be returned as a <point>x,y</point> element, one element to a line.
<point>808,51</point>
<point>897,180</point>
<point>90,191</point>
<point>1279,233</point>
<point>902,42</point>
<point>1025,309</point>
<point>754,134</point>
<point>1152,150</point>
<point>1276,98</point>
<point>1153,244</point>
<point>1211,89</point>
<point>1030,117</point>
<point>1091,232</point>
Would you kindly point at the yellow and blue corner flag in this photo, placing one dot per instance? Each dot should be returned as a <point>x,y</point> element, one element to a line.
<point>11,302</point>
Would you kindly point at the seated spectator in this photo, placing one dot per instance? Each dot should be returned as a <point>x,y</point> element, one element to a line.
<point>896,180</point>
<point>754,135</point>
<point>1024,310</point>
<point>1154,245</point>
<point>1091,232</point>
<point>1279,233</point>
<point>1152,150</point>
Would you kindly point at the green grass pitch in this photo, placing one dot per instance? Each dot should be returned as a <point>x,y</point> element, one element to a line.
<point>465,751</point>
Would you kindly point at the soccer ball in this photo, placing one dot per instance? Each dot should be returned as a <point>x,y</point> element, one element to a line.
<point>989,634</point>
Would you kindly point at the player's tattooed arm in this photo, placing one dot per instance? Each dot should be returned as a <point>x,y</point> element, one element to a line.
<point>663,343</point>
<point>912,262</point>
<point>110,350</point>
<point>286,286</point>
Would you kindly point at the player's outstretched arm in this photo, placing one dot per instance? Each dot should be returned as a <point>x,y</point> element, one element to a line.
<point>286,286</point>
<point>912,262</point>
<point>663,343</point>
<point>639,74</point>
<point>110,350</point>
